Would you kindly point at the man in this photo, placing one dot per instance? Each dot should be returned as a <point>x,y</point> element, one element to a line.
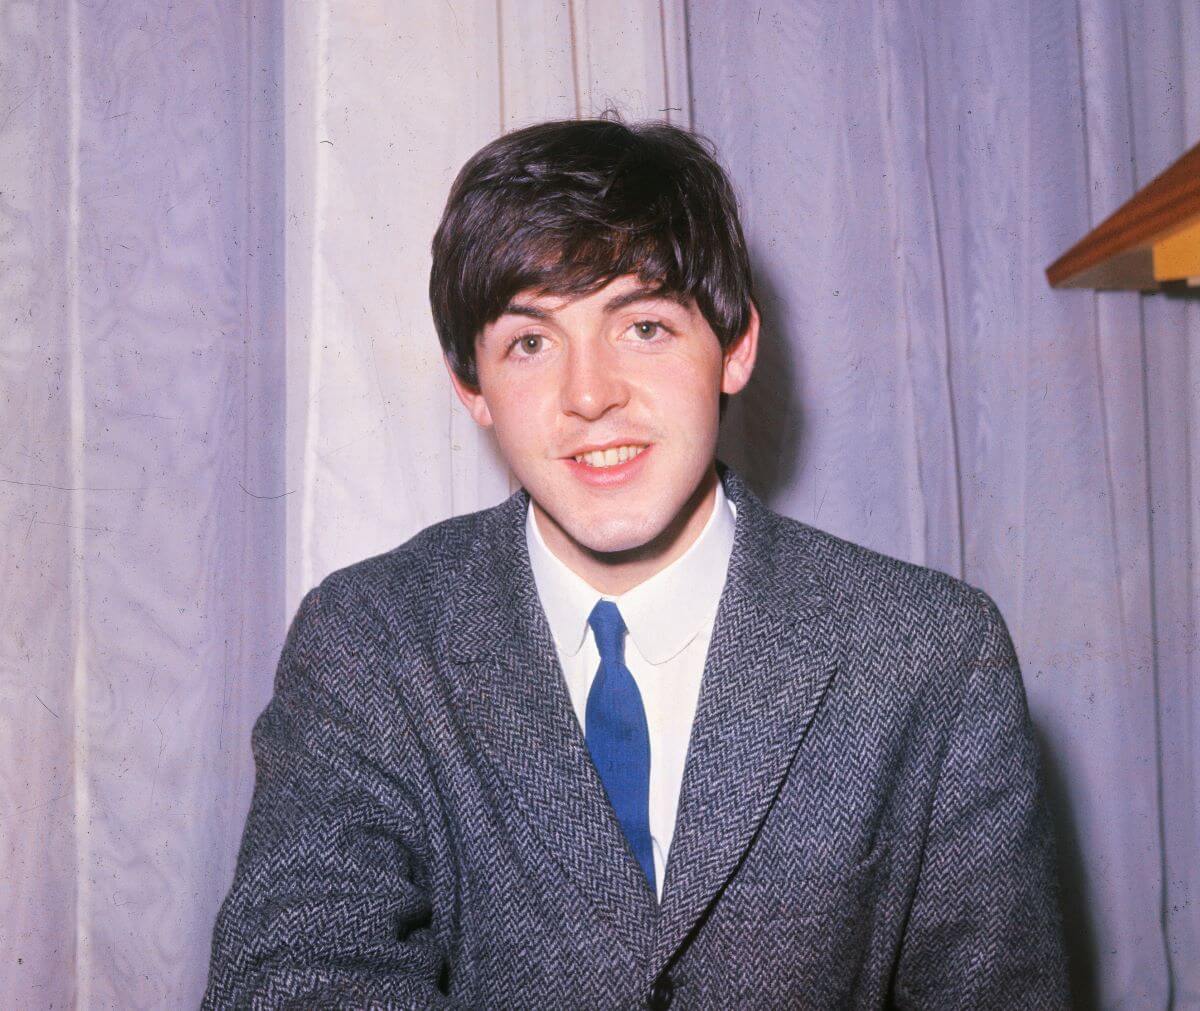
<point>630,739</point>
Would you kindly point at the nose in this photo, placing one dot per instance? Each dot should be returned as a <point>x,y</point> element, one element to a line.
<point>592,382</point>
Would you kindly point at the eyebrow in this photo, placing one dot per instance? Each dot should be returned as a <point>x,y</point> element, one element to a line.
<point>614,304</point>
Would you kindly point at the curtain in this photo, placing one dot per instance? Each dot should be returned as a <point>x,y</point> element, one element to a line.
<point>140,453</point>
<point>219,381</point>
<point>907,171</point>
<point>385,103</point>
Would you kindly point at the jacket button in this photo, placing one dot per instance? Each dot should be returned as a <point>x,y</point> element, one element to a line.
<point>661,993</point>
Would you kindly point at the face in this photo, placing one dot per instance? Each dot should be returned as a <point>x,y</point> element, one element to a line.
<point>606,409</point>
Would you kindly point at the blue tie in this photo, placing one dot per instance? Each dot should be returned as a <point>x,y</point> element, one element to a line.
<point>617,735</point>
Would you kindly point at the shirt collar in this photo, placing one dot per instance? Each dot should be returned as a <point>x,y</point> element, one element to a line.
<point>664,613</point>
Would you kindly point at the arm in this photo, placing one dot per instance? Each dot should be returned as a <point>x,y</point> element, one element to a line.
<point>328,907</point>
<point>985,930</point>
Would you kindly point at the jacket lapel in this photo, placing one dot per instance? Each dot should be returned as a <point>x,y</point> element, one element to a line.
<point>776,644</point>
<point>509,687</point>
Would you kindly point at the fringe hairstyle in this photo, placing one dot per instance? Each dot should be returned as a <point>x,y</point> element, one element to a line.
<point>562,208</point>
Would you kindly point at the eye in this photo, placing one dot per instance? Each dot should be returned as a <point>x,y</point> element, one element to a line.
<point>647,329</point>
<point>529,343</point>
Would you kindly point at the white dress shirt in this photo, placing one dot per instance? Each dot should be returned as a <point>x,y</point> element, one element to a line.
<point>669,619</point>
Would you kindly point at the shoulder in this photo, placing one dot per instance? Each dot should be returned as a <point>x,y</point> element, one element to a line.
<point>372,625</point>
<point>408,584</point>
<point>886,595</point>
<point>395,599</point>
<point>875,579</point>
<point>895,607</point>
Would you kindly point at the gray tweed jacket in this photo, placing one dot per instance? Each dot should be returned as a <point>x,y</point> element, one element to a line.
<point>861,821</point>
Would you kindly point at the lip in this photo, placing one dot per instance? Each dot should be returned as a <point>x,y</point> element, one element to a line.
<point>593,447</point>
<point>608,477</point>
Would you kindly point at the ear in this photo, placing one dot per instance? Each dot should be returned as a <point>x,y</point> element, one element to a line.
<point>740,356</point>
<point>471,397</point>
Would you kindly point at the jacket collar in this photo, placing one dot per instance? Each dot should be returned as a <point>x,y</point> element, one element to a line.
<point>663,614</point>
<point>775,646</point>
<point>509,688</point>
<point>499,565</point>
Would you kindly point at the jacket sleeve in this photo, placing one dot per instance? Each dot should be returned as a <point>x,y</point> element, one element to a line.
<point>329,904</point>
<point>985,928</point>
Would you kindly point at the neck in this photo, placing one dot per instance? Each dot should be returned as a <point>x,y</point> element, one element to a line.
<point>615,572</point>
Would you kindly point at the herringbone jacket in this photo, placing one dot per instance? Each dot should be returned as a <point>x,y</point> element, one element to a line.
<point>861,822</point>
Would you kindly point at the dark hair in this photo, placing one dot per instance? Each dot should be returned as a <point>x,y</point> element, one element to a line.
<point>562,208</point>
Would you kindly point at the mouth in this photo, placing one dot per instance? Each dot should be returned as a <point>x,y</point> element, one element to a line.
<point>612,456</point>
<point>609,466</point>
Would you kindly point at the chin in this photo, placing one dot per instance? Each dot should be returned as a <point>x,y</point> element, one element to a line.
<point>608,536</point>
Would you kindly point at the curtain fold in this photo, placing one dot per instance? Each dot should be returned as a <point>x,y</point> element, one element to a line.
<point>908,171</point>
<point>139,481</point>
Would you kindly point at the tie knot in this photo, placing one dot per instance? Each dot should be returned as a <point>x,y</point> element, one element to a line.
<point>608,627</point>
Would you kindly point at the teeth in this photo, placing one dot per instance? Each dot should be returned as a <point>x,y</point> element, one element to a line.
<point>609,457</point>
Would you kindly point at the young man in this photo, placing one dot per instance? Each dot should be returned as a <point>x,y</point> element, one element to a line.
<point>630,739</point>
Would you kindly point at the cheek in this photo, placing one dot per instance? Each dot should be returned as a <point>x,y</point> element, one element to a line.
<point>689,386</point>
<point>506,390</point>
<point>520,412</point>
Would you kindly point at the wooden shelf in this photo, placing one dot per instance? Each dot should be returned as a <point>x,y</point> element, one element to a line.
<point>1151,241</point>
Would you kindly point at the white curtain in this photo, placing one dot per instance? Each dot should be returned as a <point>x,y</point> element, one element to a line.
<point>385,102</point>
<point>908,170</point>
<point>212,394</point>
<point>219,381</point>
<point>140,577</point>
